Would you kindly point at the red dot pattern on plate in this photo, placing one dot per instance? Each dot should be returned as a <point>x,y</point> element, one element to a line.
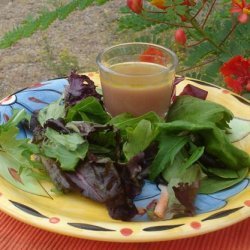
<point>54,220</point>
<point>126,231</point>
<point>36,85</point>
<point>6,99</point>
<point>195,225</point>
<point>6,117</point>
<point>15,175</point>
<point>225,91</point>
<point>247,203</point>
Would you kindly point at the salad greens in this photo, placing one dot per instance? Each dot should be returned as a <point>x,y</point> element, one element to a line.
<point>15,157</point>
<point>106,158</point>
<point>139,138</point>
<point>209,121</point>
<point>89,109</point>
<point>67,149</point>
<point>54,110</point>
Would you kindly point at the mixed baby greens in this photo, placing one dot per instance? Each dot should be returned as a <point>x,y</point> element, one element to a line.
<point>84,149</point>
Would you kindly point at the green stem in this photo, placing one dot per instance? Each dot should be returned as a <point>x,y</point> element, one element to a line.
<point>229,33</point>
<point>208,14</point>
<point>196,66</point>
<point>168,23</point>
<point>155,12</point>
<point>198,12</point>
<point>197,43</point>
<point>205,36</point>
<point>161,12</point>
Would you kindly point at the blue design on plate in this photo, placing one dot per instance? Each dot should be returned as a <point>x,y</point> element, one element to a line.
<point>39,95</point>
<point>31,99</point>
<point>204,203</point>
<point>150,191</point>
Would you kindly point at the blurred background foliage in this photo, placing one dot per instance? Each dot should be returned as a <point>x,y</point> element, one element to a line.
<point>214,35</point>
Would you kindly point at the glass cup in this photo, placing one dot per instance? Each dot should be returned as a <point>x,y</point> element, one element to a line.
<point>137,78</point>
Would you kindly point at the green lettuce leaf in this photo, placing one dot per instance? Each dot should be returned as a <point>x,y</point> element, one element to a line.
<point>139,138</point>
<point>183,176</point>
<point>137,132</point>
<point>89,109</point>
<point>54,110</point>
<point>214,184</point>
<point>195,110</point>
<point>15,157</point>
<point>69,141</point>
<point>68,159</point>
<point>239,129</point>
<point>125,120</point>
<point>206,124</point>
<point>68,149</point>
<point>169,146</point>
<point>208,121</point>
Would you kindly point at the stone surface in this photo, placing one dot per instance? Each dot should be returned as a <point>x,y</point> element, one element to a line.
<point>82,35</point>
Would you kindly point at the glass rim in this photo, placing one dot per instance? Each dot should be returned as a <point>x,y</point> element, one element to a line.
<point>164,69</point>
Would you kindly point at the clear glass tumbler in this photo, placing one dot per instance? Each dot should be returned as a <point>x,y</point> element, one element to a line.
<point>137,78</point>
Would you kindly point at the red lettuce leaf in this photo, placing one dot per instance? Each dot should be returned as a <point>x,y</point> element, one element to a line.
<point>189,89</point>
<point>113,184</point>
<point>97,179</point>
<point>57,124</point>
<point>194,91</point>
<point>85,129</point>
<point>178,79</point>
<point>186,194</point>
<point>80,87</point>
<point>56,175</point>
<point>132,175</point>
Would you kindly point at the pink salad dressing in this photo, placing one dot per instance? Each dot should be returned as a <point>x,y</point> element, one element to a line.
<point>137,88</point>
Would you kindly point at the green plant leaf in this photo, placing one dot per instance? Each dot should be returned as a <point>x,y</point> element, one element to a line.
<point>169,146</point>
<point>10,171</point>
<point>196,153</point>
<point>214,184</point>
<point>69,141</point>
<point>210,122</point>
<point>199,52</point>
<point>181,9</point>
<point>221,172</point>
<point>53,111</point>
<point>43,21</point>
<point>67,159</point>
<point>138,139</point>
<point>134,22</point>
<point>15,156</point>
<point>224,57</point>
<point>89,109</point>
<point>239,129</point>
<point>125,120</point>
<point>199,111</point>
<point>213,69</point>
<point>100,2</point>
